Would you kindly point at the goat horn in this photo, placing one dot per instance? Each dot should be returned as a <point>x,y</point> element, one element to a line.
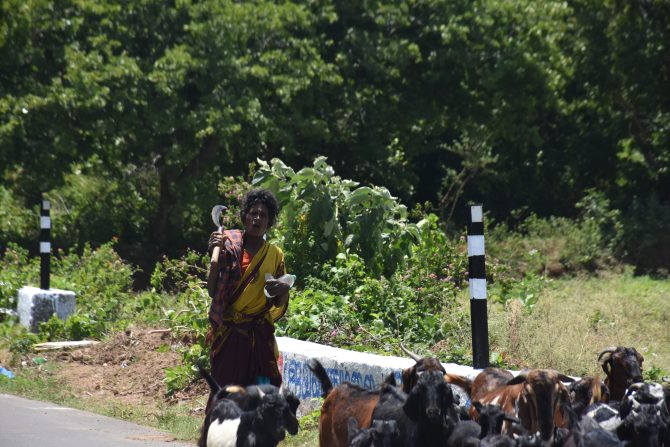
<point>609,350</point>
<point>415,357</point>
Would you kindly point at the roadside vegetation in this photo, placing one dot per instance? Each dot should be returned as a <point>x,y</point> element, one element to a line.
<point>371,275</point>
<point>375,123</point>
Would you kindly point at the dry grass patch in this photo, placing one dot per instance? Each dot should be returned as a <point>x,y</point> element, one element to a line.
<point>576,319</point>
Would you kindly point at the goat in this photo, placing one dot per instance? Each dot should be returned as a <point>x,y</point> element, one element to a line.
<point>623,367</point>
<point>348,399</point>
<point>589,433</point>
<point>644,427</point>
<point>379,434</point>
<point>461,386</point>
<point>411,375</point>
<point>426,416</point>
<point>644,404</point>
<point>257,415</point>
<point>537,397</point>
<point>587,391</point>
<point>229,426</point>
<point>491,418</point>
<point>340,403</point>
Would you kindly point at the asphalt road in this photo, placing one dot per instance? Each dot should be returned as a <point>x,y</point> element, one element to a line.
<point>29,423</point>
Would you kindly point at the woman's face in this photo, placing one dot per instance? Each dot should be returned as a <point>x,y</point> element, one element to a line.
<point>257,220</point>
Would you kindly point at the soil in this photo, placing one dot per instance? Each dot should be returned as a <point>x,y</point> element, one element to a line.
<point>128,369</point>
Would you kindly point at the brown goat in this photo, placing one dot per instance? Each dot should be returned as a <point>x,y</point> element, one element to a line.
<point>623,367</point>
<point>537,397</point>
<point>350,400</point>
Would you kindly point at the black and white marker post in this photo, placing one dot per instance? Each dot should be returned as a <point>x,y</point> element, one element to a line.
<point>45,245</point>
<point>37,305</point>
<point>477,280</point>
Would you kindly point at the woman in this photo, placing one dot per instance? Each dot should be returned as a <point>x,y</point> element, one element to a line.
<point>243,349</point>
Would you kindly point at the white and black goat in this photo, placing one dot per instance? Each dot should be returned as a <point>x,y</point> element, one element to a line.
<point>257,415</point>
<point>646,420</point>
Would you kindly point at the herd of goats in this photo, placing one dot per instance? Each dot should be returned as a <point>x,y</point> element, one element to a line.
<point>537,407</point>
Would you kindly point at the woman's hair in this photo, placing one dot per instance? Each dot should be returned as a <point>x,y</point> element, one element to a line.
<point>260,196</point>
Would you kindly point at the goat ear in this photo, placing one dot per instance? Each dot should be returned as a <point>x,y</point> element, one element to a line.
<point>408,378</point>
<point>521,378</point>
<point>607,366</point>
<point>524,410</point>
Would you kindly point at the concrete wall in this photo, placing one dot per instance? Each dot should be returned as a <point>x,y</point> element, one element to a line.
<point>366,370</point>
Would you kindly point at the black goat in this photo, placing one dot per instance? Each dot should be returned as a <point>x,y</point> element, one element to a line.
<point>426,416</point>
<point>491,418</point>
<point>645,415</point>
<point>590,433</point>
<point>230,426</point>
<point>623,367</point>
<point>379,434</point>
<point>257,415</point>
<point>643,427</point>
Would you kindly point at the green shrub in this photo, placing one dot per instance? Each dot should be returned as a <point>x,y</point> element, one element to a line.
<point>16,270</point>
<point>181,280</point>
<point>323,215</point>
<point>101,280</point>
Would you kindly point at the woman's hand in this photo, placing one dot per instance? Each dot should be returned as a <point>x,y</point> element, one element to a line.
<point>276,288</point>
<point>215,240</point>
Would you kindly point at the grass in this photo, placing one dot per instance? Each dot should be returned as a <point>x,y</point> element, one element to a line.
<point>573,320</point>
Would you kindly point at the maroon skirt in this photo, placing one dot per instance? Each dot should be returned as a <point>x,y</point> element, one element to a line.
<point>247,355</point>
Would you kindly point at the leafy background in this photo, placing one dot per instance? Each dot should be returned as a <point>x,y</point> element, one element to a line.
<point>375,123</point>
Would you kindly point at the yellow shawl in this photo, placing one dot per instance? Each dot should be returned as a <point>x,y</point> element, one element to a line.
<point>252,305</point>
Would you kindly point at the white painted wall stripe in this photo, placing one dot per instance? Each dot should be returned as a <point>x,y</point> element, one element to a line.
<point>45,247</point>
<point>46,205</point>
<point>477,289</point>
<point>45,222</point>
<point>477,214</point>
<point>476,245</point>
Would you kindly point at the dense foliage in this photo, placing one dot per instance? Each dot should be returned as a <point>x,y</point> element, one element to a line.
<point>128,113</point>
<point>368,277</point>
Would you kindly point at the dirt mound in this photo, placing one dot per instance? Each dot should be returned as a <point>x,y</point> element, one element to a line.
<point>129,367</point>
